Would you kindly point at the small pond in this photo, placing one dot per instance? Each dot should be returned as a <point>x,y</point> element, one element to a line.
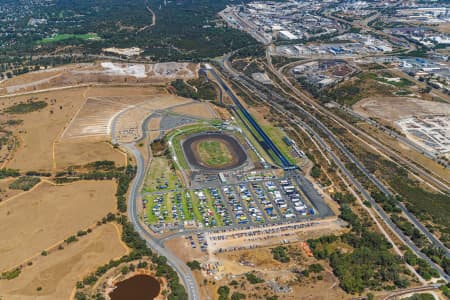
<point>139,287</point>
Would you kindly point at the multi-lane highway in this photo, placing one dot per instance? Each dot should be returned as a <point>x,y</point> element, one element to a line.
<point>431,178</point>
<point>256,88</point>
<point>436,242</point>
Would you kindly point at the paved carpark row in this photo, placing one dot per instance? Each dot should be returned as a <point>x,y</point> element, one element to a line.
<point>279,215</point>
<point>289,198</point>
<point>259,230</point>
<point>250,187</point>
<point>244,206</point>
<point>219,206</point>
<point>227,205</point>
<point>233,202</point>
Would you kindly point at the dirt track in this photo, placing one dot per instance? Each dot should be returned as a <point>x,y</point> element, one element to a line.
<point>192,156</point>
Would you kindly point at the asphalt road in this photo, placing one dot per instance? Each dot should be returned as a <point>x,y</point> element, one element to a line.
<point>247,82</point>
<point>267,143</point>
<point>179,266</point>
<point>436,242</point>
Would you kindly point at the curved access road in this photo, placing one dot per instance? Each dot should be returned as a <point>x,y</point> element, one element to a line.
<point>176,263</point>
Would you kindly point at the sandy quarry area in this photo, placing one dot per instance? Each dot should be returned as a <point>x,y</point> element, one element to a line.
<point>58,273</point>
<point>31,80</point>
<point>48,214</point>
<point>99,73</point>
<point>392,109</point>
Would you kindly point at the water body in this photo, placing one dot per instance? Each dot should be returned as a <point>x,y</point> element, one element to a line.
<point>139,287</point>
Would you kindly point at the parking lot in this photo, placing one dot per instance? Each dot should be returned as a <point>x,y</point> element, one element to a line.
<point>254,201</point>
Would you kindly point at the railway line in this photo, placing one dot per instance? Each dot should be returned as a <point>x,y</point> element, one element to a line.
<point>256,88</point>
<point>436,242</point>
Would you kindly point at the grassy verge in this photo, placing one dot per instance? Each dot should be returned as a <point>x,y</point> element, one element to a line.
<point>151,218</point>
<point>249,134</point>
<point>63,37</point>
<point>276,135</point>
<point>212,207</point>
<point>195,205</point>
<point>160,177</point>
<point>188,213</point>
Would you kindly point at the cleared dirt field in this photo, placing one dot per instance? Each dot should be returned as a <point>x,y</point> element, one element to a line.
<point>58,273</point>
<point>105,103</point>
<point>154,124</point>
<point>41,128</point>
<point>49,214</point>
<point>125,91</point>
<point>392,109</point>
<point>103,73</point>
<point>127,125</point>
<point>76,152</point>
<point>201,110</point>
<point>271,270</point>
<point>444,27</point>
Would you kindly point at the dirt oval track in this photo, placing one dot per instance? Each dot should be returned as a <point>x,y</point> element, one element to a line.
<point>192,156</point>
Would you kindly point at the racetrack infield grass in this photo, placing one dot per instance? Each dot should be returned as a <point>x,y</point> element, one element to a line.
<point>214,153</point>
<point>178,135</point>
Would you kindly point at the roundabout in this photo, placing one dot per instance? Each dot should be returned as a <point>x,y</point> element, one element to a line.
<point>213,151</point>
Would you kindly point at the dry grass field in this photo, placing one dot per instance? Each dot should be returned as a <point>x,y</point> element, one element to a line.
<point>45,216</point>
<point>41,128</point>
<point>201,110</point>
<point>58,273</point>
<point>30,81</point>
<point>43,135</point>
<point>125,91</point>
<point>48,214</point>
<point>5,192</point>
<point>76,152</point>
